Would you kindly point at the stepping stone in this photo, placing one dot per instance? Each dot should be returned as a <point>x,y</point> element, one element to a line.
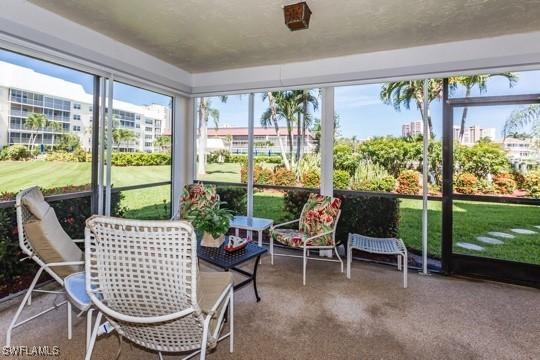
<point>501,235</point>
<point>488,240</point>
<point>523,231</point>
<point>469,246</point>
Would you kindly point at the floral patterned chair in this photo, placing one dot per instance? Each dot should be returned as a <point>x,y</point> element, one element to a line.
<point>196,196</point>
<point>316,229</point>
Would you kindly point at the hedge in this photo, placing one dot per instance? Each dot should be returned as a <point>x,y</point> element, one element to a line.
<point>72,213</point>
<point>235,197</point>
<point>118,158</point>
<point>376,216</point>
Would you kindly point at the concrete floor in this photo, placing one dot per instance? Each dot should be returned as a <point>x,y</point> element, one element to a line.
<point>368,317</point>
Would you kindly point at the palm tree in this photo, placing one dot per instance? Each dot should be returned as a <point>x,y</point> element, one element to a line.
<point>34,122</point>
<point>402,93</point>
<point>519,118</point>
<point>163,143</point>
<point>270,117</point>
<point>305,98</point>
<point>469,82</point>
<point>206,111</point>
<point>120,136</point>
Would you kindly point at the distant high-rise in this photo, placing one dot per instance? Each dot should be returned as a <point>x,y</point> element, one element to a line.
<point>412,129</point>
<point>473,134</point>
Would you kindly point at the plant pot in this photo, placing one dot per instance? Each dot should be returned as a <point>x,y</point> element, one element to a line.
<point>209,241</point>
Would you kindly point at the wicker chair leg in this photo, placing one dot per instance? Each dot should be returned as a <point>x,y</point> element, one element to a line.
<point>231,321</point>
<point>405,269</point>
<point>69,321</point>
<point>90,348</point>
<point>339,258</point>
<point>204,342</point>
<point>304,267</point>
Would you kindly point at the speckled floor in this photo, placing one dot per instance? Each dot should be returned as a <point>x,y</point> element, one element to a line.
<point>367,317</point>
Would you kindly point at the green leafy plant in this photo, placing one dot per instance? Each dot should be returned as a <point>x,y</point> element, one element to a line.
<point>16,153</point>
<point>311,179</point>
<point>214,220</point>
<point>234,198</point>
<point>372,177</point>
<point>342,179</point>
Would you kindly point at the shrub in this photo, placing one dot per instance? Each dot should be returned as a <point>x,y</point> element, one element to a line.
<point>532,184</point>
<point>434,189</point>
<point>78,155</point>
<point>219,156</point>
<point>342,179</point>
<point>372,177</point>
<point>408,182</point>
<point>376,216</point>
<point>311,179</point>
<point>283,177</point>
<point>242,159</point>
<point>482,159</point>
<point>484,186</point>
<point>261,175</point>
<point>16,153</point>
<point>504,183</point>
<point>519,178</point>
<point>466,183</point>
<point>234,198</point>
<point>140,159</point>
<point>71,213</point>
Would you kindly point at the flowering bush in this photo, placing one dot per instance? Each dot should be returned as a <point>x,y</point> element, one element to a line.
<point>15,152</point>
<point>261,175</point>
<point>504,183</point>
<point>466,183</point>
<point>283,177</point>
<point>408,182</point>
<point>311,179</point>
<point>532,184</point>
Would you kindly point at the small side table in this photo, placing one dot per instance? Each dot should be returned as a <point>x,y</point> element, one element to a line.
<point>75,285</point>
<point>251,224</point>
<point>386,246</point>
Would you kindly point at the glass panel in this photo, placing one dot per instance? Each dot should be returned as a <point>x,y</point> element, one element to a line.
<point>222,138</point>
<point>38,148</point>
<point>509,83</point>
<point>140,155</point>
<point>378,148</point>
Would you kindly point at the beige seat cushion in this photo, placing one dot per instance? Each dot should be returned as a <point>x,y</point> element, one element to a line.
<point>210,286</point>
<point>51,243</point>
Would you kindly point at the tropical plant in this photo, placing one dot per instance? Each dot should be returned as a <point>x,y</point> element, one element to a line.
<point>341,179</point>
<point>304,98</point>
<point>163,143</point>
<point>67,142</point>
<point>372,177</point>
<point>36,122</point>
<point>206,111</point>
<point>469,82</point>
<point>408,182</point>
<point>15,152</point>
<point>214,220</point>
<point>270,117</point>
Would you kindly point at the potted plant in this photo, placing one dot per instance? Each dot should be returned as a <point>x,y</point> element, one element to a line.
<point>213,222</point>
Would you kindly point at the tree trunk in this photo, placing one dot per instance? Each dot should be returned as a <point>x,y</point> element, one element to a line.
<point>464,116</point>
<point>290,138</point>
<point>272,103</point>
<point>203,134</point>
<point>298,140</point>
<point>304,126</point>
<point>428,116</point>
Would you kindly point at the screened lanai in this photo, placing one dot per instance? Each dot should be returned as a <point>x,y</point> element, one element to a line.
<point>402,139</point>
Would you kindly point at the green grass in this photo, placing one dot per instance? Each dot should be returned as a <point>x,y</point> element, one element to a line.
<point>471,219</point>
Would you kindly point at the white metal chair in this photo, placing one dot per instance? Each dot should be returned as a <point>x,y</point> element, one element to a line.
<point>48,246</point>
<point>316,231</point>
<point>143,276</point>
<point>384,246</point>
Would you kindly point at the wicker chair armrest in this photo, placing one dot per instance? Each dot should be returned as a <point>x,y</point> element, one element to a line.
<point>77,241</point>
<point>285,223</point>
<point>221,298</point>
<point>65,263</point>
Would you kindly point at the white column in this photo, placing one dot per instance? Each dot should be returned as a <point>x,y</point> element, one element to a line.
<point>425,169</point>
<point>101,145</point>
<point>108,174</point>
<point>192,139</point>
<point>327,146</point>
<point>251,124</point>
<point>182,148</point>
<point>327,141</point>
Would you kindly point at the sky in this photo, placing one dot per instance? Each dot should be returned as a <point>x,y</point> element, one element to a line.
<point>361,113</point>
<point>121,91</point>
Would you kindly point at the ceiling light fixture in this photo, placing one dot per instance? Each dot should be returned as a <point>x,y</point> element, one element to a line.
<point>297,16</point>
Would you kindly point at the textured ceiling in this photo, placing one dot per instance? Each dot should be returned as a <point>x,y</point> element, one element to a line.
<point>208,35</point>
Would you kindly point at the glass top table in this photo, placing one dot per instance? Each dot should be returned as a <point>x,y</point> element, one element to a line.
<point>250,224</point>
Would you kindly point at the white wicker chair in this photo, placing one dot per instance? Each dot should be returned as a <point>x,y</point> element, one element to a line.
<point>143,276</point>
<point>23,217</point>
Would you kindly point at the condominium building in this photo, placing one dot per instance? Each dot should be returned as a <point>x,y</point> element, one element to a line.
<point>520,151</point>
<point>235,139</point>
<point>412,129</point>
<point>24,91</point>
<point>473,134</point>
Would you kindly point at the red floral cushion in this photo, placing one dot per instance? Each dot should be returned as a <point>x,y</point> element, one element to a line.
<point>197,196</point>
<point>319,216</point>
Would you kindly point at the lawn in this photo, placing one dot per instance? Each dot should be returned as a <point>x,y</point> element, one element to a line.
<point>471,219</point>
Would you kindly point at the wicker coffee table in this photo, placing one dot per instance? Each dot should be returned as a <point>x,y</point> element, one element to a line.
<point>231,261</point>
